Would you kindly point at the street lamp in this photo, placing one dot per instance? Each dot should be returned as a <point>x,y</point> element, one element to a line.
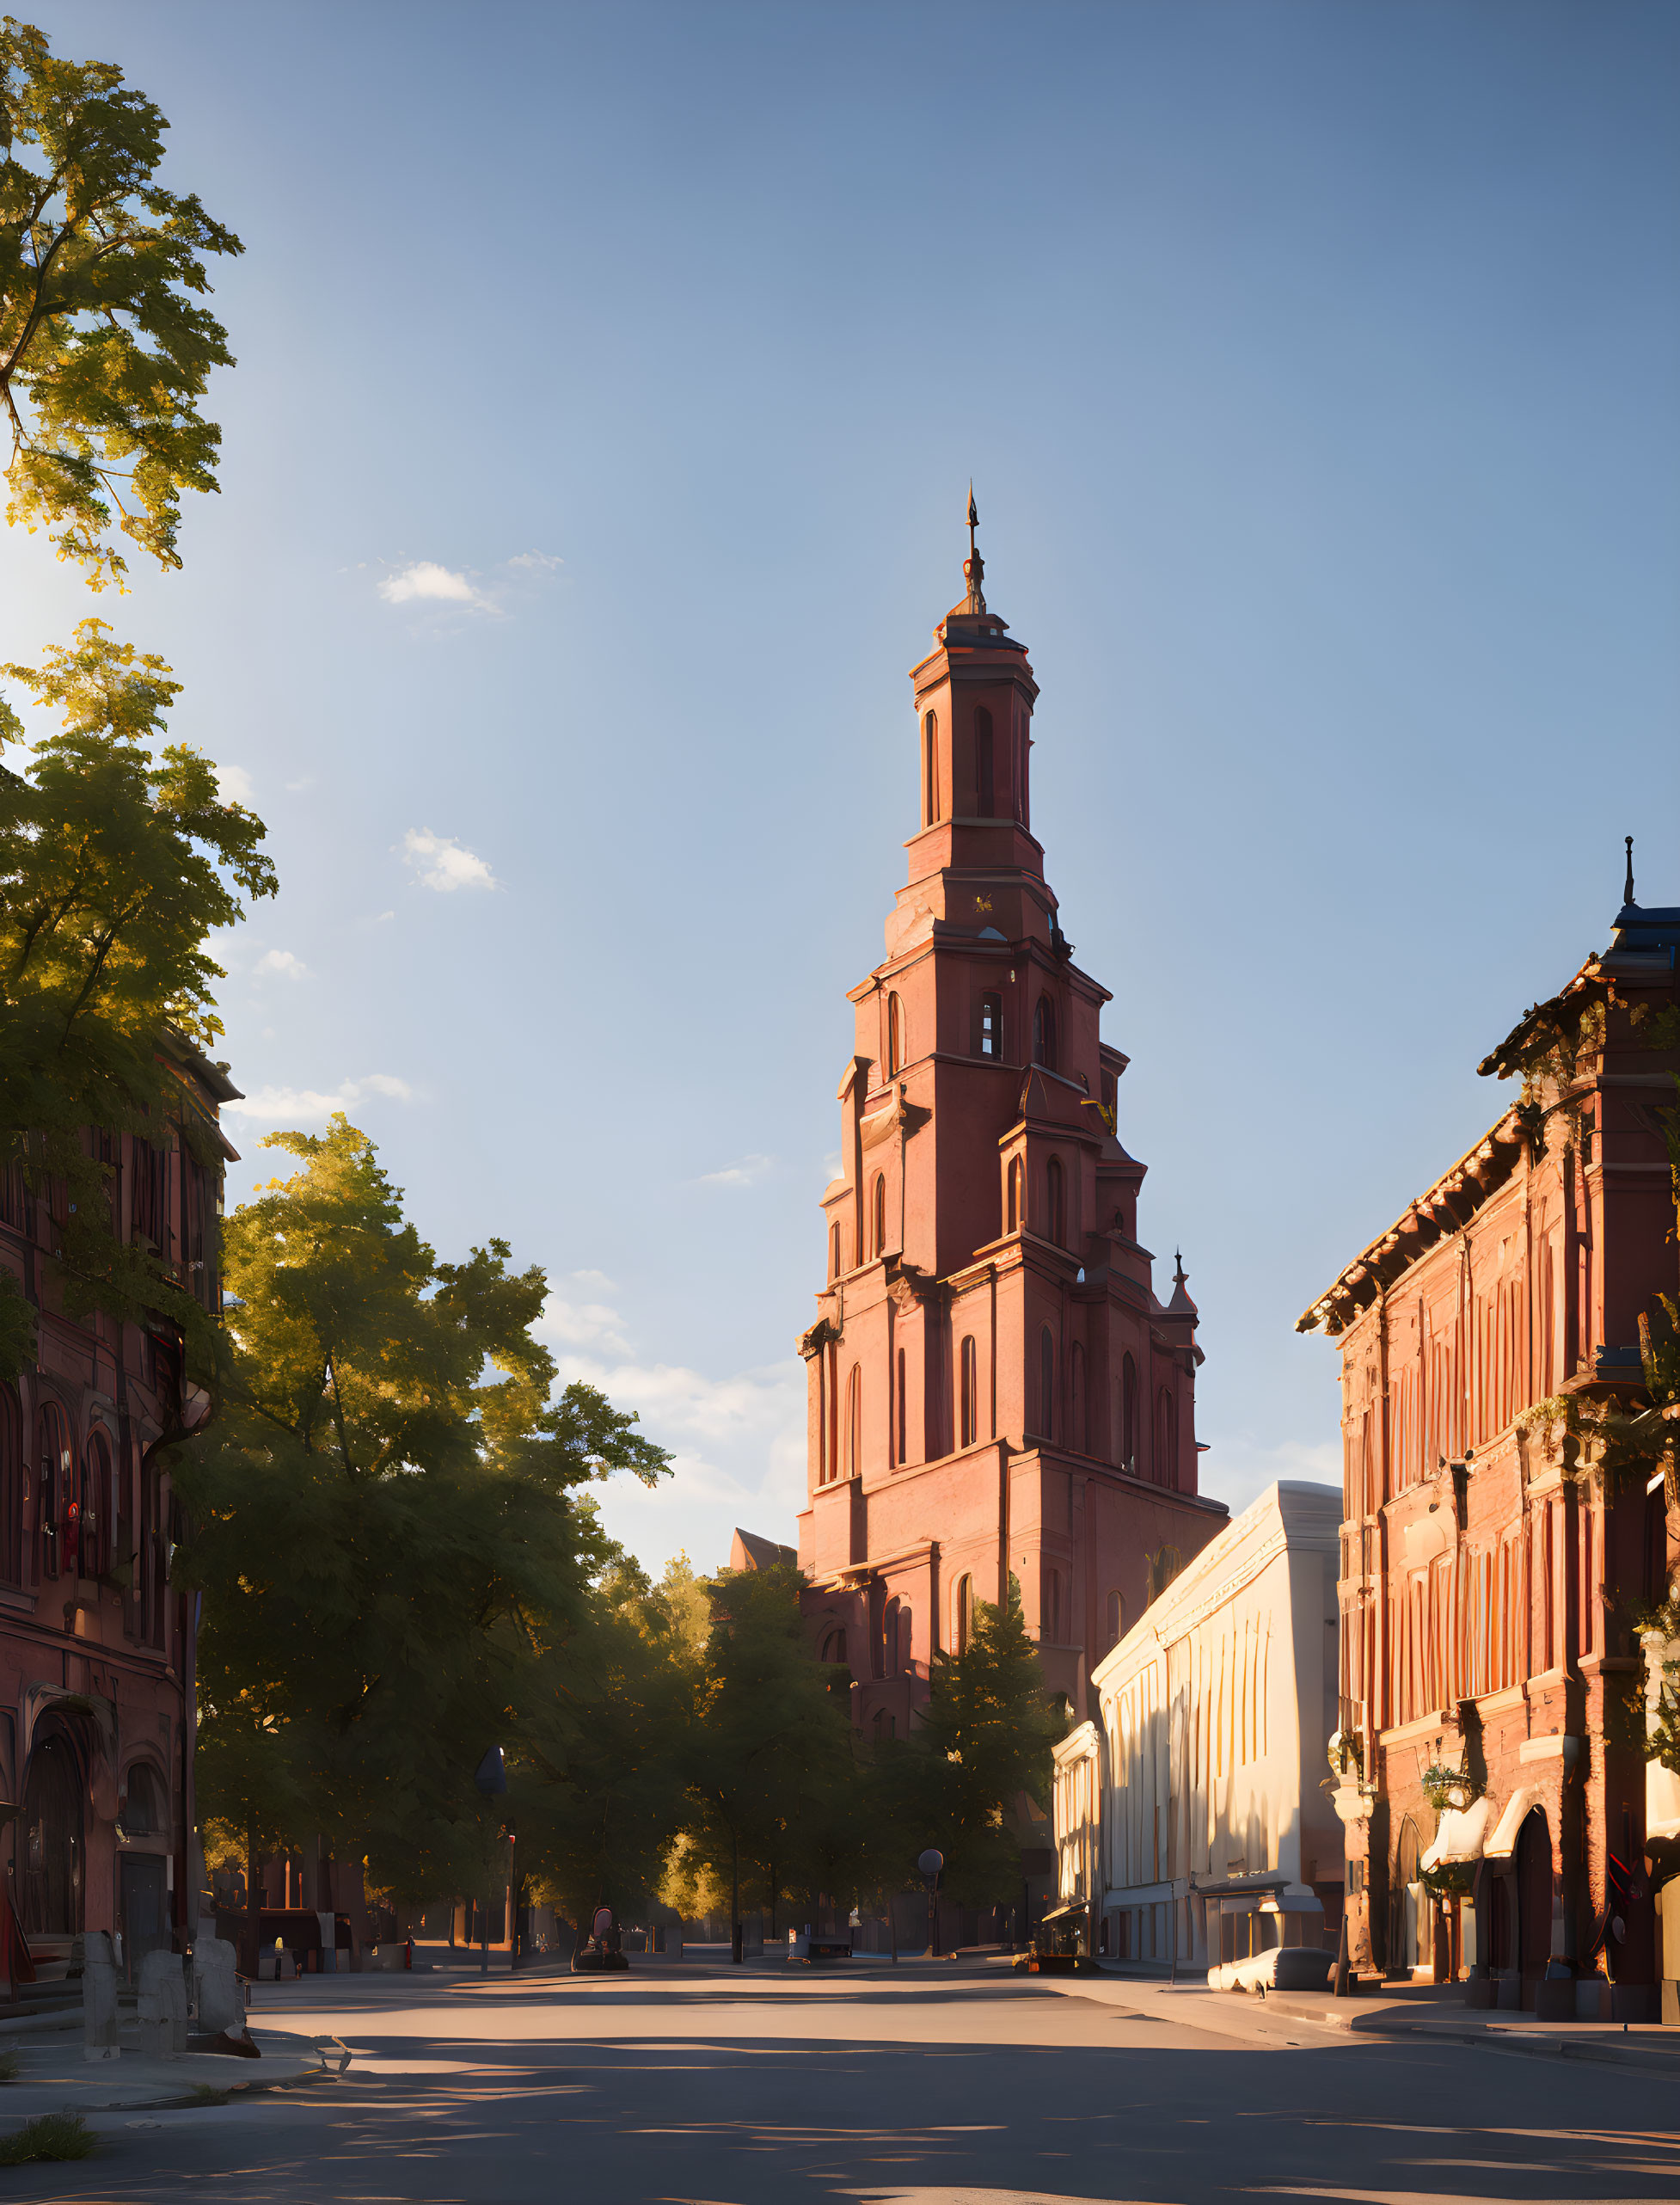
<point>929,1865</point>
<point>490,1777</point>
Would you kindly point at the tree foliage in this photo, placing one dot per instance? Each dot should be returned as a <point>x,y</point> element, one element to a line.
<point>117,861</point>
<point>106,350</point>
<point>392,1529</point>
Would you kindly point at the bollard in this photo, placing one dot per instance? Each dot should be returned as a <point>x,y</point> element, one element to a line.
<point>99,1998</point>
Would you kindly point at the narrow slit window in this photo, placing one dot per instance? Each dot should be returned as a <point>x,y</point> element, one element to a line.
<point>880,1214</point>
<point>982,767</point>
<point>903,1419</point>
<point>1047,1384</point>
<point>1055,1204</point>
<point>970,1392</point>
<point>991,1026</point>
<point>1044,1033</point>
<point>930,770</point>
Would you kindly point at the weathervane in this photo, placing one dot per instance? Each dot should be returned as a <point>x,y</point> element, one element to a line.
<point>973,567</point>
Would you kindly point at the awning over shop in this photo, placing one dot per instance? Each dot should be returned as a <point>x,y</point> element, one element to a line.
<point>1461,1834</point>
<point>1503,1843</point>
<point>1068,1907</point>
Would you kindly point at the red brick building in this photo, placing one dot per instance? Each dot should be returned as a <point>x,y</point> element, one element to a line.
<point>1488,1576</point>
<point>95,1648</point>
<point>994,1388</point>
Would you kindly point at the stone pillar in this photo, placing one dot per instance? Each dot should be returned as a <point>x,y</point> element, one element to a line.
<point>217,1994</point>
<point>163,2006</point>
<point>99,1998</point>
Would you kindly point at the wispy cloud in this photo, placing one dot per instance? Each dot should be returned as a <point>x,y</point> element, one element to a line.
<point>282,964</point>
<point>535,563</point>
<point>746,1171</point>
<point>424,582</point>
<point>233,784</point>
<point>443,863</point>
<point>308,1106</point>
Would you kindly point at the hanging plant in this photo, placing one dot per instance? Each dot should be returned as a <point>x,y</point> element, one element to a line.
<point>1444,1787</point>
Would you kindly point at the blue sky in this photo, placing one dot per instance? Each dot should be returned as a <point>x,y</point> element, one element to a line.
<point>610,383</point>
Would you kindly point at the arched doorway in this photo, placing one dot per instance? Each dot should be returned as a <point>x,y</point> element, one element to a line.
<point>49,1845</point>
<point>1534,1894</point>
<point>1408,1902</point>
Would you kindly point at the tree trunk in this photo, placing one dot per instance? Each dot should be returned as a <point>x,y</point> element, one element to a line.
<point>251,1937</point>
<point>735,1900</point>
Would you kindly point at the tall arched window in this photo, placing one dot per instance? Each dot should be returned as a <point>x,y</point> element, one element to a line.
<point>1012,1220</point>
<point>880,1214</point>
<point>1077,1436</point>
<point>1166,1439</point>
<point>1044,1033</point>
<point>903,1419</point>
<point>1047,1385</point>
<point>895,1035</point>
<point>1129,1415</point>
<point>1023,747</point>
<point>854,1423</point>
<point>991,1025</point>
<point>1055,1221</point>
<point>52,1473</point>
<point>834,1646</point>
<point>11,1489</point>
<point>834,1252</point>
<point>906,1637</point>
<point>96,1526</point>
<point>971,1392</point>
<point>982,769</point>
<point>962,1614</point>
<point>890,1662</point>
<point>930,770</point>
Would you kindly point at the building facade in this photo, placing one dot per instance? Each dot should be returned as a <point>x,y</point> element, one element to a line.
<point>95,1648</point>
<point>1191,1829</point>
<point>995,1391</point>
<point>1493,1787</point>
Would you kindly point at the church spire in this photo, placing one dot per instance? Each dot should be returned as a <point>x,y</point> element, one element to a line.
<point>973,567</point>
<point>1627,890</point>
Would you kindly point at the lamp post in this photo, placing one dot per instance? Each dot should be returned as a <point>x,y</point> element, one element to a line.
<point>490,1777</point>
<point>929,1865</point>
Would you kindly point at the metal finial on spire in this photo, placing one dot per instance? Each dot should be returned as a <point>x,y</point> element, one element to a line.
<point>1628,889</point>
<point>974,567</point>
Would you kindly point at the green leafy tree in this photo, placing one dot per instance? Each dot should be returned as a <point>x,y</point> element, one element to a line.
<point>597,1792</point>
<point>117,861</point>
<point>392,1528</point>
<point>984,1739</point>
<point>772,1742</point>
<point>106,350</point>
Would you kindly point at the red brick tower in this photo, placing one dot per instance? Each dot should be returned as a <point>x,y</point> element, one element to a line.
<point>994,1388</point>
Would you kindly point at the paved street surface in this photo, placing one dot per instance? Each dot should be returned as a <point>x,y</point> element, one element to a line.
<point>931,2084</point>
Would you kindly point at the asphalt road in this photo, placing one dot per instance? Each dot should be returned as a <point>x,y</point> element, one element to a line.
<point>928,2084</point>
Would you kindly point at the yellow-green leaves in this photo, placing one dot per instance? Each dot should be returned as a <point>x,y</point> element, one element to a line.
<point>105,353</point>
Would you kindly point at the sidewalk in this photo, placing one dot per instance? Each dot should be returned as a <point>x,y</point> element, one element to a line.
<point>53,2077</point>
<point>1654,2046</point>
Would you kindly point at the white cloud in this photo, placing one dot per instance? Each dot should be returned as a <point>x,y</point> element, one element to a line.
<point>283,964</point>
<point>308,1106</point>
<point>442,863</point>
<point>541,563</point>
<point>233,784</point>
<point>424,581</point>
<point>746,1171</point>
<point>737,1442</point>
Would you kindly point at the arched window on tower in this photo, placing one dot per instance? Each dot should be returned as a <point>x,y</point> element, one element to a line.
<point>930,770</point>
<point>962,1614</point>
<point>1077,1436</point>
<point>1166,1439</point>
<point>902,1419</point>
<point>1013,1219</point>
<point>1056,1222</point>
<point>1047,1384</point>
<point>834,1252</point>
<point>991,1026</point>
<point>1023,744</point>
<point>970,1392</point>
<point>1044,1033</point>
<point>895,1036</point>
<point>1129,1415</point>
<point>854,1423</point>
<point>983,768</point>
<point>880,1214</point>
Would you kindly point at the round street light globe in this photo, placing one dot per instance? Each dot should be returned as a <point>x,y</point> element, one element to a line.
<point>930,1863</point>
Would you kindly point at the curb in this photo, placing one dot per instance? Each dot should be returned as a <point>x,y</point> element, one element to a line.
<point>1605,2053</point>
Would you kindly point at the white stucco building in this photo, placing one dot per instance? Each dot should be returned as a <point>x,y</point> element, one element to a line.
<point>1191,1828</point>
